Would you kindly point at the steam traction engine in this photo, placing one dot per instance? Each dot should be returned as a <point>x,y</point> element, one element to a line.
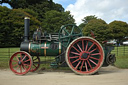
<point>83,54</point>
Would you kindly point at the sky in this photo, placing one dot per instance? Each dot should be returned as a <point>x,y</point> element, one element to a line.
<point>65,3</point>
<point>5,4</point>
<point>108,10</point>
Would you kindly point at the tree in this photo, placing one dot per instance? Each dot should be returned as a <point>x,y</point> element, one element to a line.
<point>54,20</point>
<point>86,20</point>
<point>45,6</point>
<point>4,28</point>
<point>118,30</point>
<point>12,27</point>
<point>44,13</point>
<point>99,27</point>
<point>38,6</point>
<point>21,3</point>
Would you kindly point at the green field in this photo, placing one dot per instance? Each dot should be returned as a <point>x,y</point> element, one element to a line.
<point>5,54</point>
<point>121,51</point>
<point>121,62</point>
<point>121,58</point>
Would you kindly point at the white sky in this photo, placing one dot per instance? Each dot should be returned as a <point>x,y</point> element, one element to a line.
<point>108,10</point>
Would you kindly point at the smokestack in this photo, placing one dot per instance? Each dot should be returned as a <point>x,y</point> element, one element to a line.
<point>26,29</point>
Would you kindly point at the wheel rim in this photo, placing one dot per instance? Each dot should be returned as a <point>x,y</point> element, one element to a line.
<point>85,55</point>
<point>36,63</point>
<point>20,63</point>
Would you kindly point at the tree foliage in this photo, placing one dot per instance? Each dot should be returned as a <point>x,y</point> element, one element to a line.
<point>21,3</point>
<point>86,19</point>
<point>54,20</point>
<point>99,27</point>
<point>39,6</point>
<point>12,26</point>
<point>115,30</point>
<point>43,7</point>
<point>118,30</point>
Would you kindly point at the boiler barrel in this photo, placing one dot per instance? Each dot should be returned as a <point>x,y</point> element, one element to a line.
<point>42,49</point>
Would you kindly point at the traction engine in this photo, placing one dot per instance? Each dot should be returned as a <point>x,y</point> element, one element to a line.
<point>83,54</point>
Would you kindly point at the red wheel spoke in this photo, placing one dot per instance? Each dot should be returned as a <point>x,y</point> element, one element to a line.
<point>93,50</point>
<point>75,53</point>
<point>20,69</point>
<point>17,58</point>
<point>14,65</point>
<point>93,62</point>
<point>17,68</point>
<point>91,46</point>
<point>77,65</point>
<point>83,44</point>
<point>24,58</point>
<point>82,65</point>
<point>76,49</point>
<point>75,61</point>
<point>21,56</point>
<point>14,61</point>
<point>96,54</point>
<point>86,46</point>
<point>79,47</point>
<point>86,66</point>
<point>24,67</point>
<point>94,58</point>
<point>89,64</point>
<point>27,60</point>
<point>74,57</point>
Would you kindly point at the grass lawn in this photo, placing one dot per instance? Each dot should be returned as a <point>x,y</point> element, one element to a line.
<point>5,54</point>
<point>121,59</point>
<point>121,51</point>
<point>121,56</point>
<point>121,62</point>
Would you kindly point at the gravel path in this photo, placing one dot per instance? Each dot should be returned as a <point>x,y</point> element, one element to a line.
<point>107,76</point>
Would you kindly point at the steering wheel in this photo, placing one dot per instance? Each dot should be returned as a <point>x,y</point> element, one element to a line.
<point>69,32</point>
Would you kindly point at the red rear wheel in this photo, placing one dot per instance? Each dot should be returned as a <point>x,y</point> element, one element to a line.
<point>20,63</point>
<point>36,63</point>
<point>84,55</point>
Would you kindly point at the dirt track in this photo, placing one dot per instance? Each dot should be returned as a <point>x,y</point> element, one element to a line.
<point>107,76</point>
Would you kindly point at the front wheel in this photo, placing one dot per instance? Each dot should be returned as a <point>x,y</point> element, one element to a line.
<point>20,63</point>
<point>84,55</point>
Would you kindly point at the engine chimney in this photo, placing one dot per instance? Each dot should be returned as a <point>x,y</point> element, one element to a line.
<point>26,29</point>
